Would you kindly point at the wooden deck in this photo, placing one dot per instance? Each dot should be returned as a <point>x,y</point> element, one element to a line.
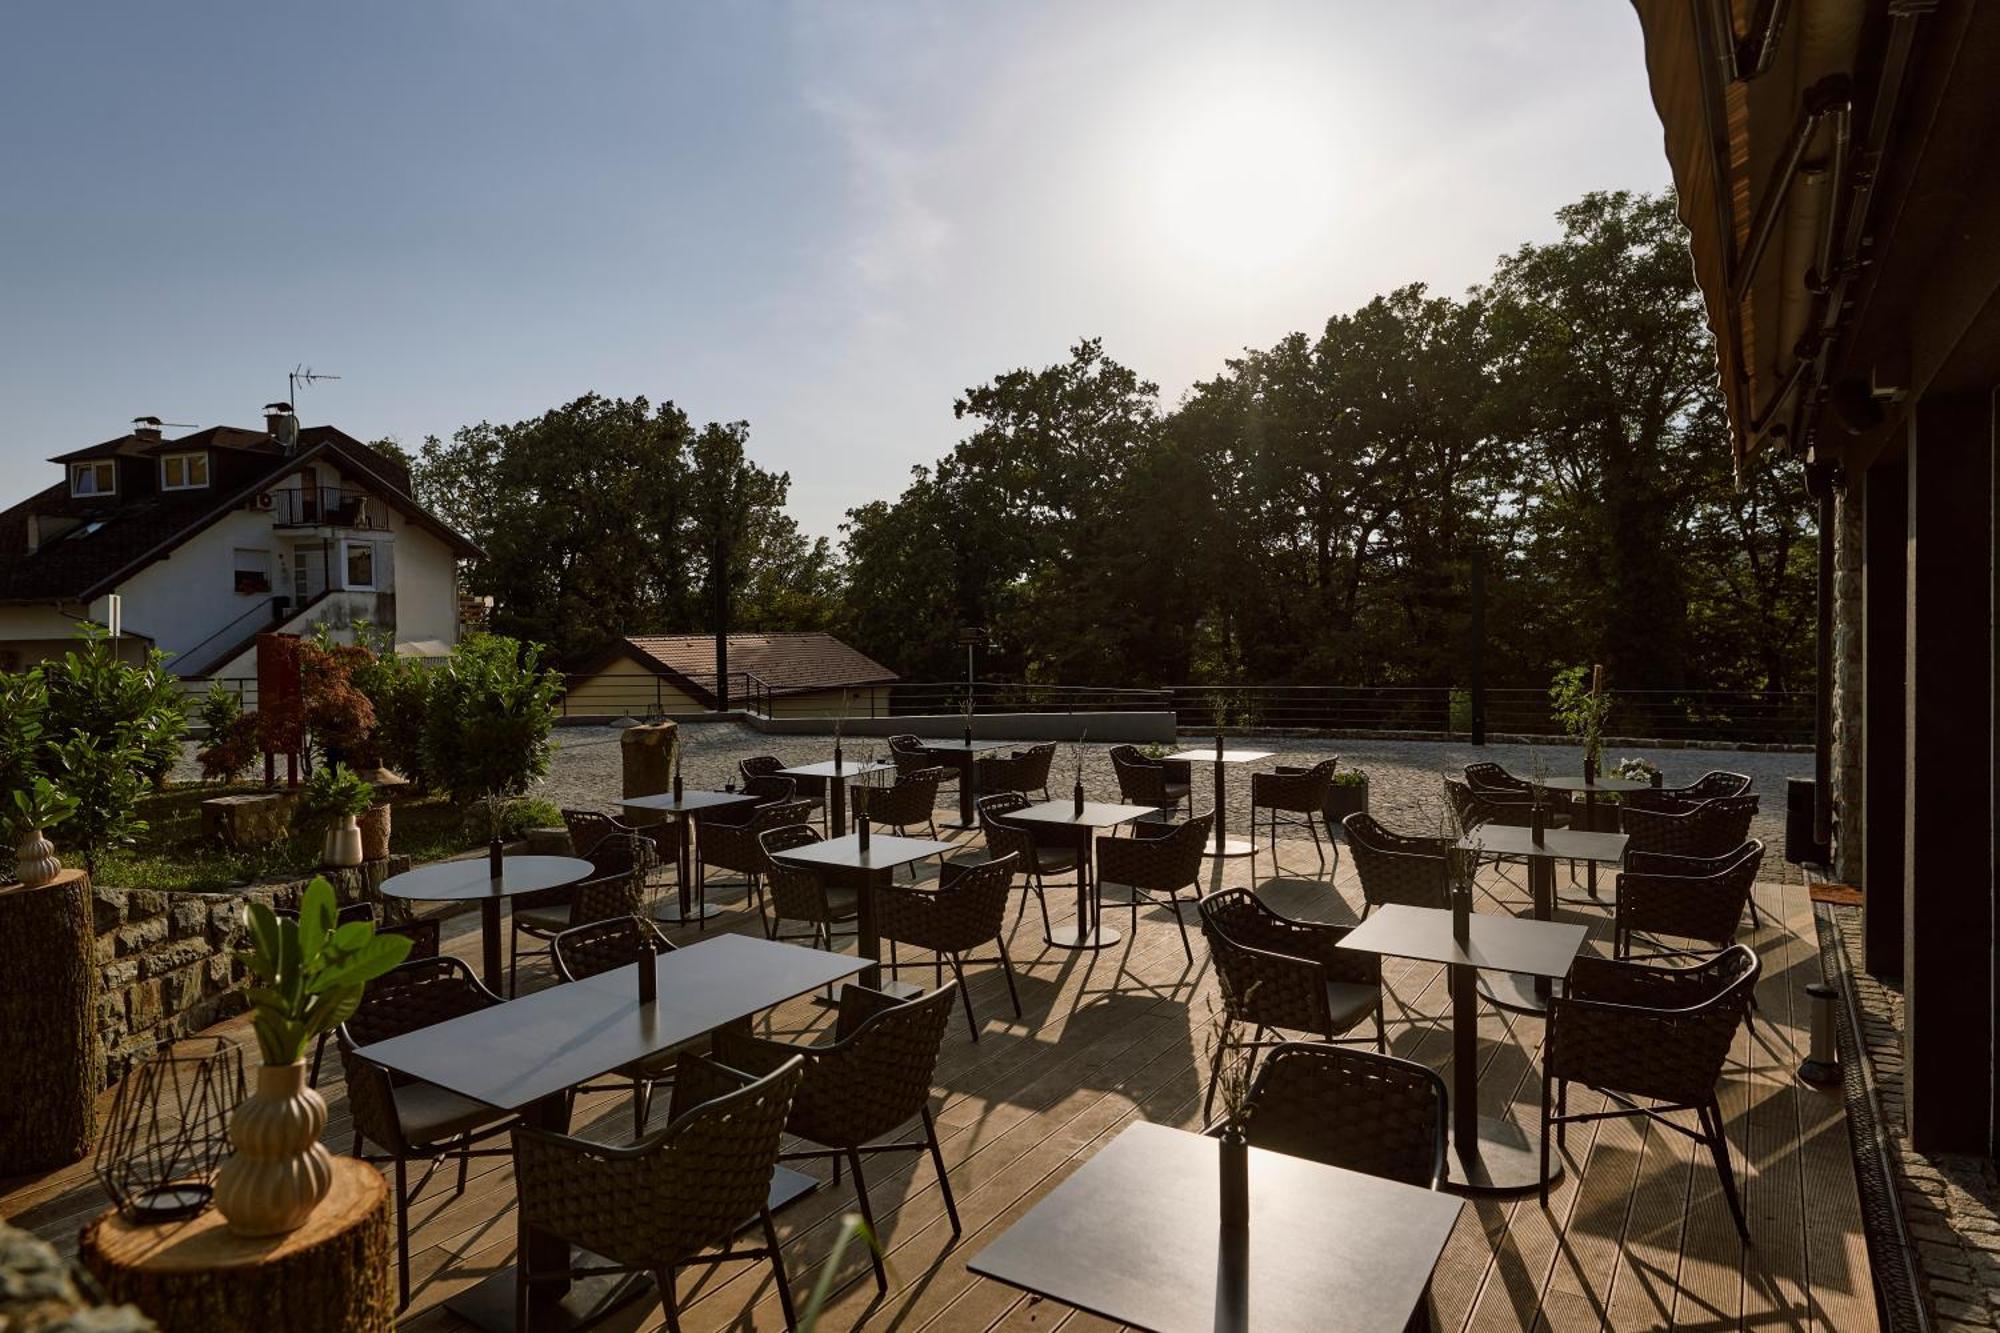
<point>1635,1235</point>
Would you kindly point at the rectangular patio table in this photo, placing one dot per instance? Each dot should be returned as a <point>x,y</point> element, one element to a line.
<point>1521,993</point>
<point>836,777</point>
<point>1488,1156</point>
<point>688,807</point>
<point>1224,846</point>
<point>525,1055</point>
<point>1591,788</point>
<point>864,869</point>
<point>1062,817</point>
<point>964,756</point>
<point>1134,1236</point>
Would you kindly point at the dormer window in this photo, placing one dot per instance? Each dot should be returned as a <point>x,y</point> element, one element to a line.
<point>183,472</point>
<point>93,479</point>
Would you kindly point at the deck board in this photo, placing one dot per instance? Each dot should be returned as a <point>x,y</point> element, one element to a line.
<point>1634,1235</point>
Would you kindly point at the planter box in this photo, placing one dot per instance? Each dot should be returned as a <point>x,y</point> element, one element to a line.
<point>1344,800</point>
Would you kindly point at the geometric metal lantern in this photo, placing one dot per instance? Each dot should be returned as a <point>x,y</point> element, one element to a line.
<point>169,1129</point>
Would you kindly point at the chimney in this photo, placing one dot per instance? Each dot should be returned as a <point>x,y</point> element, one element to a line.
<point>146,428</point>
<point>281,425</point>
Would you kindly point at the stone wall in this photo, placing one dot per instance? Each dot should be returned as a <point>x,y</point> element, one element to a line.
<point>166,964</point>
<point>1847,687</point>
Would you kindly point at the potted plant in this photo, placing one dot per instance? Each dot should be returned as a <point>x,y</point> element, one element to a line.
<point>38,807</point>
<point>306,976</point>
<point>1346,795</point>
<point>339,796</point>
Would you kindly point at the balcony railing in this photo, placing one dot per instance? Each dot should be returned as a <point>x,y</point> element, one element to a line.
<point>324,506</point>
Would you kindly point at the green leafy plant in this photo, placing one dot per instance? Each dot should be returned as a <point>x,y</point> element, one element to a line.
<point>339,719</point>
<point>93,693</point>
<point>398,689</point>
<point>24,704</point>
<point>104,775</point>
<point>309,973</point>
<point>1577,701</point>
<point>852,1228</point>
<point>231,746</point>
<point>1460,704</point>
<point>41,805</point>
<point>333,791</point>
<point>488,720</point>
<point>1636,768</point>
<point>1349,777</point>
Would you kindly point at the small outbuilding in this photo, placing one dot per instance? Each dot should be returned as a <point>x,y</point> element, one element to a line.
<point>806,674</point>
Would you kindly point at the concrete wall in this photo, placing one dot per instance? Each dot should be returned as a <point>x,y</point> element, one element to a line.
<point>625,688</point>
<point>832,703</point>
<point>426,587</point>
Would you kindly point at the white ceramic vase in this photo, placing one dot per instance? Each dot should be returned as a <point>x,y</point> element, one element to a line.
<point>35,860</point>
<point>343,843</point>
<point>280,1170</point>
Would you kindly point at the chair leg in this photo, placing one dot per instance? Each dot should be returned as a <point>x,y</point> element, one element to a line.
<point>642,1105</point>
<point>1318,851</point>
<point>319,1054</point>
<point>513,961</point>
<point>1214,1077</point>
<point>669,1307</point>
<point>403,1231</point>
<point>868,1216</point>
<point>464,1159</point>
<point>1711,1124</point>
<point>1381,1030</point>
<point>1174,906</point>
<point>778,1271</point>
<point>1007,967</point>
<point>1545,1137</point>
<point>964,995</point>
<point>944,1180</point>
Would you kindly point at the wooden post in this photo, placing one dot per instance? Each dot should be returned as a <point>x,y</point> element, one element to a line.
<point>1478,665</point>
<point>1885,523</point>
<point>1948,819</point>
<point>48,1025</point>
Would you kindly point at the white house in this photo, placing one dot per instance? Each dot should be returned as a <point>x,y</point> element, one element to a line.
<point>215,537</point>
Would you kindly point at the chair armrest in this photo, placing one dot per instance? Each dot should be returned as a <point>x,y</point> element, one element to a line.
<point>747,1052</point>
<point>698,1079</point>
<point>858,1004</point>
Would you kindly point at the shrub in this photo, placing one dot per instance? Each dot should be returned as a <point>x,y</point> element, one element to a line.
<point>487,723</point>
<point>104,774</point>
<point>1349,777</point>
<point>91,693</point>
<point>231,746</point>
<point>398,689</point>
<point>24,706</point>
<point>1581,711</point>
<point>339,719</point>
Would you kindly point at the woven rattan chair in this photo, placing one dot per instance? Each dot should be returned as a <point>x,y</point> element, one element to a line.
<point>409,1119</point>
<point>801,893</point>
<point>1487,776</point>
<point>603,946</point>
<point>671,1198</point>
<point>616,887</point>
<point>908,754</point>
<point>1034,858</point>
<point>1037,761</point>
<point>1292,975</point>
<point>966,911</point>
<point>1022,771</point>
<point>1143,781</point>
<point>1706,829</point>
<point>1154,867</point>
<point>734,845</point>
<point>1710,786</point>
<point>868,1082</point>
<point>1647,1033</point>
<point>911,801</point>
<point>1378,1114</point>
<point>1294,798</point>
<point>1689,898</point>
<point>803,789</point>
<point>1395,867</point>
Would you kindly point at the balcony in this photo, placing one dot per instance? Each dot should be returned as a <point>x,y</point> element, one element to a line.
<point>325,507</point>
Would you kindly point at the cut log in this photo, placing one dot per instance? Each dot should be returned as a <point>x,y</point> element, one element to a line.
<point>335,1274</point>
<point>48,1025</point>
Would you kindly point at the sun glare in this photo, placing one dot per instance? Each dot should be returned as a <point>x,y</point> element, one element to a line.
<point>1239,181</point>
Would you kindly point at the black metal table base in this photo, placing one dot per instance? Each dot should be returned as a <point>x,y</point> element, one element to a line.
<point>670,914</point>
<point>1502,1158</point>
<point>1073,937</point>
<point>1516,992</point>
<point>491,1304</point>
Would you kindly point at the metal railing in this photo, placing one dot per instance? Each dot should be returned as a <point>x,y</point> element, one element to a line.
<point>325,506</point>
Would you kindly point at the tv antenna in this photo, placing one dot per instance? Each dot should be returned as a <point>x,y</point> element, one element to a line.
<point>303,374</point>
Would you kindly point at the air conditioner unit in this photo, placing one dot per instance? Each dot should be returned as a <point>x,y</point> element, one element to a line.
<point>265,501</point>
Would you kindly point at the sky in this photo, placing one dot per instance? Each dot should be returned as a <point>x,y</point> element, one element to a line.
<point>825,219</point>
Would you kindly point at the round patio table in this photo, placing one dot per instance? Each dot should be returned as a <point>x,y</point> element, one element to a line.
<point>1590,788</point>
<point>471,880</point>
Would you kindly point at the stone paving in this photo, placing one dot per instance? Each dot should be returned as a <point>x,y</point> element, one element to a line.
<point>1951,1202</point>
<point>1403,776</point>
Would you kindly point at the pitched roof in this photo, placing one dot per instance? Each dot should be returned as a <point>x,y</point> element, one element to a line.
<point>787,663</point>
<point>133,531</point>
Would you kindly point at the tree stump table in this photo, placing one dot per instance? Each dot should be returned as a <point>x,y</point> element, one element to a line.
<point>335,1274</point>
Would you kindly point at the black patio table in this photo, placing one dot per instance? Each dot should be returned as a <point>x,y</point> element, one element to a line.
<point>1591,788</point>
<point>964,756</point>
<point>525,1055</point>
<point>1521,993</point>
<point>1488,1156</point>
<point>471,880</point>
<point>1063,818</point>
<point>688,808</point>
<point>1224,846</point>
<point>836,777</point>
<point>1134,1236</point>
<point>865,868</point>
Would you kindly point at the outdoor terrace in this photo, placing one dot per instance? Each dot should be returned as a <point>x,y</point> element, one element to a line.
<point>1635,1233</point>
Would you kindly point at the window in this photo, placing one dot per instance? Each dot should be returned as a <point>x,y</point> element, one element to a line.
<point>358,559</point>
<point>183,472</point>
<point>253,571</point>
<point>93,478</point>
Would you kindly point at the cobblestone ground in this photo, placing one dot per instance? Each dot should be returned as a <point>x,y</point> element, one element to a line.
<point>1951,1202</point>
<point>1403,776</point>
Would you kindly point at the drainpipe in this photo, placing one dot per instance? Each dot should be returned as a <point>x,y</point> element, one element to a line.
<point>1821,482</point>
